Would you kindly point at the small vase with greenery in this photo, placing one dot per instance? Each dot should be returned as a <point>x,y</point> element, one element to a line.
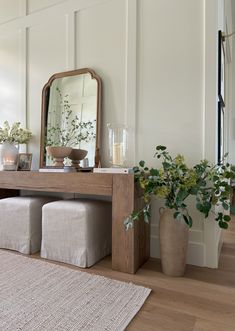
<point>174,181</point>
<point>10,139</point>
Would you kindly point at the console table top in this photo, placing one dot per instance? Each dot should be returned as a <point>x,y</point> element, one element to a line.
<point>84,183</point>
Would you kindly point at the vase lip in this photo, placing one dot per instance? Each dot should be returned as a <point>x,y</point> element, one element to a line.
<point>64,147</point>
<point>118,125</point>
<point>10,143</point>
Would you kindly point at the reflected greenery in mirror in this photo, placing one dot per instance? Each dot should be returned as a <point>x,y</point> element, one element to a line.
<point>70,113</point>
<point>68,129</point>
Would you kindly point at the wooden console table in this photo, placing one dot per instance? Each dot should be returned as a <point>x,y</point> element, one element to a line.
<point>130,249</point>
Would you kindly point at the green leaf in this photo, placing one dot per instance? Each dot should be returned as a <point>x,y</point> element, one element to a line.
<point>166,165</point>
<point>181,195</point>
<point>223,225</point>
<point>190,221</point>
<point>227,218</point>
<point>136,169</point>
<point>225,206</point>
<point>128,223</point>
<point>186,219</point>
<point>141,163</point>
<point>161,148</point>
<point>135,216</point>
<point>177,214</point>
<point>146,217</point>
<point>154,172</point>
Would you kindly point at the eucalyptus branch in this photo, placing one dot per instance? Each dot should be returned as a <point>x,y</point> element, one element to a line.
<point>69,129</point>
<point>174,181</point>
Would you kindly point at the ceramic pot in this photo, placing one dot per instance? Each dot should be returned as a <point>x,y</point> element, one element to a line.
<point>58,153</point>
<point>8,156</point>
<point>173,235</point>
<point>76,156</point>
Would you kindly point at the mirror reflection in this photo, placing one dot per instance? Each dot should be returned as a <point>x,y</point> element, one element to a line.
<point>70,117</point>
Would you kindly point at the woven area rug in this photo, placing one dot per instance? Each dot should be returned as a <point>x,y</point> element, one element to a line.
<point>37,295</point>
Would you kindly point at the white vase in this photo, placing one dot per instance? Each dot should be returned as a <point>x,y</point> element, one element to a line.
<point>8,156</point>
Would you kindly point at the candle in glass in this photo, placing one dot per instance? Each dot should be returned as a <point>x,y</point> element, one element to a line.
<point>117,145</point>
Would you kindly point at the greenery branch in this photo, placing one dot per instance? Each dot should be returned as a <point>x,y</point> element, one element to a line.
<point>174,181</point>
<point>14,134</point>
<point>69,130</point>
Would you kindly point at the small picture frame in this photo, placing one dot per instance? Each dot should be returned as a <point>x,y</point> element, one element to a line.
<point>24,162</point>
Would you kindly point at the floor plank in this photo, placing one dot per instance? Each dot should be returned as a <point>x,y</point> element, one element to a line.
<point>202,300</point>
<point>205,325</point>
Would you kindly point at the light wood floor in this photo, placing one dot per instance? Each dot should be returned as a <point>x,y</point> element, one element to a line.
<point>203,300</point>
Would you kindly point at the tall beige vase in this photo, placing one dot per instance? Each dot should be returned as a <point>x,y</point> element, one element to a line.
<point>173,235</point>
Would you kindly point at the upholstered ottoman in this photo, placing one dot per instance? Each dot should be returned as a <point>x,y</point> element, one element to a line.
<point>21,223</point>
<point>77,232</point>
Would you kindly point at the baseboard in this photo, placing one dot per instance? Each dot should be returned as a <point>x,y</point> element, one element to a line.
<point>196,251</point>
<point>196,247</point>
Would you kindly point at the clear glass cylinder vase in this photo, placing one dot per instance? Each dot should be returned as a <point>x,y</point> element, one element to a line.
<point>8,156</point>
<point>117,145</point>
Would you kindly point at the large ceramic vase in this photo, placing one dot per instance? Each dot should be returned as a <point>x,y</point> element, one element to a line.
<point>173,243</point>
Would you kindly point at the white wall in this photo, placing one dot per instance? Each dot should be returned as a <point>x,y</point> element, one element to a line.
<point>157,61</point>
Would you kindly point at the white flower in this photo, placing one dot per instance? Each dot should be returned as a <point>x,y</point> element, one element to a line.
<point>14,134</point>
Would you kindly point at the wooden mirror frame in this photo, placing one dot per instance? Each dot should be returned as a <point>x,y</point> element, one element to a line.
<point>45,101</point>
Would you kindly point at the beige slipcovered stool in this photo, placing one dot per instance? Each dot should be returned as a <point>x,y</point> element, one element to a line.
<point>77,232</point>
<point>21,223</point>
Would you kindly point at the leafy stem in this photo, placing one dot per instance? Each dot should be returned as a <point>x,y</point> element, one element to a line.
<point>174,181</point>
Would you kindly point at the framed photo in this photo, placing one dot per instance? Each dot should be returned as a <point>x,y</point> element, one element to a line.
<point>221,69</point>
<point>24,162</point>
<point>221,140</point>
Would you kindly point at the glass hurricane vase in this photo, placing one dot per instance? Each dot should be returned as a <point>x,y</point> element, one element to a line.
<point>8,156</point>
<point>117,145</point>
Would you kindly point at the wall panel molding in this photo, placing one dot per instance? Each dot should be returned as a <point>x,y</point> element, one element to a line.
<point>70,41</point>
<point>45,15</point>
<point>23,7</point>
<point>196,246</point>
<point>131,84</point>
<point>23,76</point>
<point>196,251</point>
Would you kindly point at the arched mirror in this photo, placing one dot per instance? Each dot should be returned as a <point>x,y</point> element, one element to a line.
<point>71,106</point>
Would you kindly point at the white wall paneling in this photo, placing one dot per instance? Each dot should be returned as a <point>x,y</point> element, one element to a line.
<point>44,59</point>
<point>70,41</point>
<point>131,85</point>
<point>9,10</point>
<point>35,5</point>
<point>102,45</point>
<point>157,61</point>
<point>10,77</point>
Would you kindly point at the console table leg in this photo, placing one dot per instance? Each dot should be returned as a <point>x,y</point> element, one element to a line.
<point>123,242</point>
